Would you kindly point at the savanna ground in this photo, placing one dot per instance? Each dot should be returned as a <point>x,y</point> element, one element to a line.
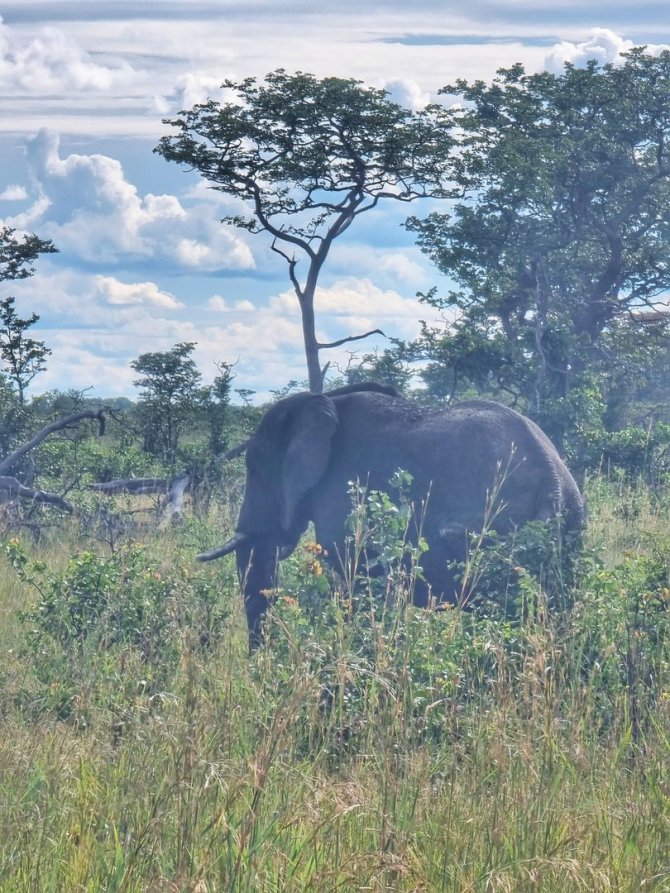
<point>141,749</point>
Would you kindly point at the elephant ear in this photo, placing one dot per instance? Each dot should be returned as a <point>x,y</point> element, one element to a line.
<point>308,452</point>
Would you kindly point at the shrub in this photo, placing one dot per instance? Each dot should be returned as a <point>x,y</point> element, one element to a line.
<point>107,631</point>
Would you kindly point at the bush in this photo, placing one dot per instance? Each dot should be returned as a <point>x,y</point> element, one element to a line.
<point>107,631</point>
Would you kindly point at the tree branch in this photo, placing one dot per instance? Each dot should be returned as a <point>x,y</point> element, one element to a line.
<point>323,346</point>
<point>292,263</point>
<point>11,489</point>
<point>280,234</point>
<point>59,425</point>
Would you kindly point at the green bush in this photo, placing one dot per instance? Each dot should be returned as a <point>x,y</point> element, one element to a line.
<point>107,631</point>
<point>619,632</point>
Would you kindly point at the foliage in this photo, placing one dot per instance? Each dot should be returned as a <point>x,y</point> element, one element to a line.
<point>216,402</point>
<point>308,157</point>
<point>18,253</point>
<point>170,391</point>
<point>620,628</point>
<point>558,247</point>
<point>13,417</point>
<point>110,630</point>
<point>447,651</point>
<point>24,357</point>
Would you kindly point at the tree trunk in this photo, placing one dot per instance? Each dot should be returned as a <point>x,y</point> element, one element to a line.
<point>314,372</point>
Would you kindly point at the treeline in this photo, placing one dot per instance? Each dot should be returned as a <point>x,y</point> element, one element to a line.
<point>553,241</point>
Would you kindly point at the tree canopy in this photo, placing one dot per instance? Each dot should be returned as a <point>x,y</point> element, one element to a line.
<point>559,247</point>
<point>169,395</point>
<point>21,357</point>
<point>309,156</point>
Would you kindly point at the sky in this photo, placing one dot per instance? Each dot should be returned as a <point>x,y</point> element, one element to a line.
<point>144,262</point>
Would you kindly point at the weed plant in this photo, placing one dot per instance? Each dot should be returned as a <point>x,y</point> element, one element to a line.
<point>370,745</point>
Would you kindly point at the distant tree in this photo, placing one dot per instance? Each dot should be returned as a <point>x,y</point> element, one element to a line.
<point>170,396</point>
<point>310,156</point>
<point>559,248</point>
<point>216,403</point>
<point>23,357</point>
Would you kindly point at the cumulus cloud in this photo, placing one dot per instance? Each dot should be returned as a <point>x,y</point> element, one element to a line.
<point>134,293</point>
<point>52,63</point>
<point>221,305</point>
<point>351,302</point>
<point>402,268</point>
<point>96,324</point>
<point>91,211</point>
<point>392,265</point>
<point>268,342</point>
<point>13,193</point>
<point>197,87</point>
<point>603,45</point>
<point>407,92</point>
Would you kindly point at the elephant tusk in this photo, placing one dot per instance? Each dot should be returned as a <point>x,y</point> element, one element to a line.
<point>231,546</point>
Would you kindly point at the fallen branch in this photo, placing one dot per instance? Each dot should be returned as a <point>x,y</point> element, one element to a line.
<point>136,486</point>
<point>11,489</point>
<point>69,421</point>
<point>172,488</point>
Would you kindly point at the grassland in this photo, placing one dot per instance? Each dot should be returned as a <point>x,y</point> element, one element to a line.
<point>141,749</point>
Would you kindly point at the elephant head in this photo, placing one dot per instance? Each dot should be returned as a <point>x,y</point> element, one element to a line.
<point>285,459</point>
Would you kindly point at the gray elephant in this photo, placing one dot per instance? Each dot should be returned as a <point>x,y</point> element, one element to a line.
<point>308,447</point>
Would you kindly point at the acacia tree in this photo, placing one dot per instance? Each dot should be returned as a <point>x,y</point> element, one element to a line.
<point>310,156</point>
<point>560,246</point>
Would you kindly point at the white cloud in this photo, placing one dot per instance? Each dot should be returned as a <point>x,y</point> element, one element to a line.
<point>394,266</point>
<point>134,293</point>
<point>92,212</point>
<point>52,63</point>
<point>603,45</point>
<point>197,87</point>
<point>407,92</point>
<point>359,302</point>
<point>216,302</point>
<point>13,193</point>
<point>403,268</point>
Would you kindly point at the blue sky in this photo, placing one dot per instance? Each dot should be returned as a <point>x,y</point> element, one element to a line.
<point>144,262</point>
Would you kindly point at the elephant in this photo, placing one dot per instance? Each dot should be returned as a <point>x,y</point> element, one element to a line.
<point>309,447</point>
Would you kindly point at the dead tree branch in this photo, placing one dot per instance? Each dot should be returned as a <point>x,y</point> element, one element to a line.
<point>137,486</point>
<point>11,489</point>
<point>172,488</point>
<point>69,421</point>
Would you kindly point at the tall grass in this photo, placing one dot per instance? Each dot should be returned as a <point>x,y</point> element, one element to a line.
<point>394,749</point>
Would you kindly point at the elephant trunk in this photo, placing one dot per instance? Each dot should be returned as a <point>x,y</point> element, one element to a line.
<point>256,568</point>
